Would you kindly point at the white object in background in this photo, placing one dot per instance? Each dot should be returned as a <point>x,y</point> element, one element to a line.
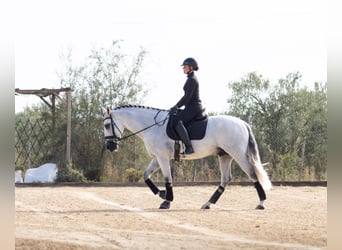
<point>18,176</point>
<point>44,173</point>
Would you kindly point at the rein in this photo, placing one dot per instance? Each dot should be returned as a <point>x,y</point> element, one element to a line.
<point>162,122</point>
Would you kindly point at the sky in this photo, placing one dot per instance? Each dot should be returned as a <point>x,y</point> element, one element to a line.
<point>228,39</point>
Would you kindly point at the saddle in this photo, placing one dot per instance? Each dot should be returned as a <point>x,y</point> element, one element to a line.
<point>196,129</point>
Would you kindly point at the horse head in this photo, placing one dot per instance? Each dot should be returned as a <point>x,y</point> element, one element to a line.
<point>110,126</point>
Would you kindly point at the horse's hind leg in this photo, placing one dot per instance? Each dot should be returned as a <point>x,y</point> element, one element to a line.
<point>225,161</point>
<point>249,170</point>
<point>261,194</point>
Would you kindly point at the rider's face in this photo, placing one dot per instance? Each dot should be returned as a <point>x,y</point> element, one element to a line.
<point>186,69</point>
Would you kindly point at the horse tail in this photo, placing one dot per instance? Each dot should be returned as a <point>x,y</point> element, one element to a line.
<point>254,160</point>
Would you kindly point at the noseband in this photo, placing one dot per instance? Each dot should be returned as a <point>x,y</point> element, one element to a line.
<point>113,125</point>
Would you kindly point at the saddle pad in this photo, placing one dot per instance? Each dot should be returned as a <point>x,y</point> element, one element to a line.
<point>196,128</point>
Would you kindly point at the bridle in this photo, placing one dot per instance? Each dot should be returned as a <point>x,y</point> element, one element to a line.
<point>113,124</point>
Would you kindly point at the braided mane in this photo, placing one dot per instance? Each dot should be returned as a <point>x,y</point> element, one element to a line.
<point>138,106</point>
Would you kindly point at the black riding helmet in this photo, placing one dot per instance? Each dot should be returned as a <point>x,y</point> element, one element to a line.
<point>191,62</point>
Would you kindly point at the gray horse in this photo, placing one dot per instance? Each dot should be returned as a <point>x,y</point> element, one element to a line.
<point>227,136</point>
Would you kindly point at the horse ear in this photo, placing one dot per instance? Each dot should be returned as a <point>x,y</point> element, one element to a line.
<point>104,110</point>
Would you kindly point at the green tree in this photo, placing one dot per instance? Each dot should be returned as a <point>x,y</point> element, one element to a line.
<point>289,122</point>
<point>104,78</point>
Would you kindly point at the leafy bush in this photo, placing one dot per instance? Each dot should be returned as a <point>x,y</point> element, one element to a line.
<point>68,174</point>
<point>133,175</point>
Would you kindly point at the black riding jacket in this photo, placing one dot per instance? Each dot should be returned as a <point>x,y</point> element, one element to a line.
<point>191,97</point>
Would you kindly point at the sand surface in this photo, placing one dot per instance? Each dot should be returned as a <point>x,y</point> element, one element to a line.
<point>129,218</point>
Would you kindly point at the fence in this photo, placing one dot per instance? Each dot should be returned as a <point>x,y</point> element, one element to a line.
<point>31,143</point>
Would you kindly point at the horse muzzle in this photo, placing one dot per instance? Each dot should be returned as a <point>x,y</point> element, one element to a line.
<point>111,145</point>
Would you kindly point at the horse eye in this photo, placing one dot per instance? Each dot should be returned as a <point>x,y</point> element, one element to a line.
<point>107,126</point>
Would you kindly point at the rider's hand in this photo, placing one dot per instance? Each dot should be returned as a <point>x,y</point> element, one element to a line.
<point>173,109</point>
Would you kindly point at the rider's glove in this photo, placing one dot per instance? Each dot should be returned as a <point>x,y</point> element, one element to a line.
<point>173,109</point>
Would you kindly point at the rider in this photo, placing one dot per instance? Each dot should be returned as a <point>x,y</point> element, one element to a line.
<point>191,102</point>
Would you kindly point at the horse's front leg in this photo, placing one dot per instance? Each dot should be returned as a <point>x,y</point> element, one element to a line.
<point>166,170</point>
<point>152,167</point>
<point>225,167</point>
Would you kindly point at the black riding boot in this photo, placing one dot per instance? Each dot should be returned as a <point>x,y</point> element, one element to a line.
<point>183,134</point>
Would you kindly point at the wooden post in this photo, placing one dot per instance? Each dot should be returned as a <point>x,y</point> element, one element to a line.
<point>68,136</point>
<point>53,109</point>
<point>301,170</point>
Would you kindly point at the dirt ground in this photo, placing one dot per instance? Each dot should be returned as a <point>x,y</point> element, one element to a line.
<point>129,218</point>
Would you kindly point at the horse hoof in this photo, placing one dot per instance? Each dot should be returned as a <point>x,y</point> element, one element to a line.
<point>162,194</point>
<point>260,207</point>
<point>206,206</point>
<point>165,205</point>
